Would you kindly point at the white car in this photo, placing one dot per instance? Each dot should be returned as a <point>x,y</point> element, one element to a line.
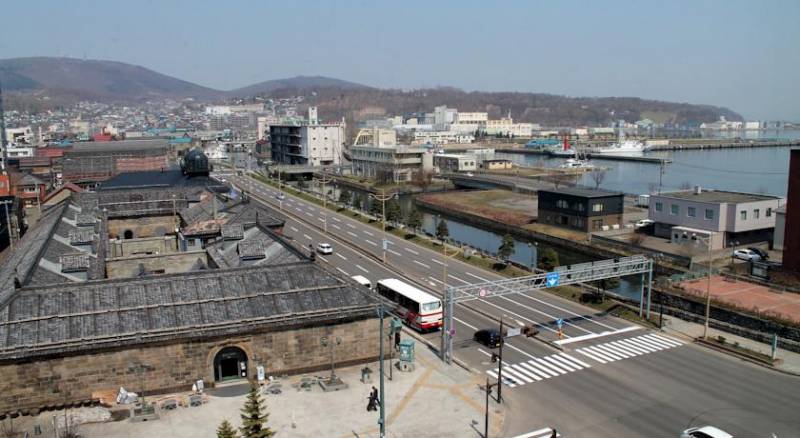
<point>280,196</point>
<point>705,432</point>
<point>746,254</point>
<point>324,248</point>
<point>469,174</point>
<point>643,223</point>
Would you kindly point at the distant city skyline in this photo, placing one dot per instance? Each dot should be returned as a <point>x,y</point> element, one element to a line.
<point>737,54</point>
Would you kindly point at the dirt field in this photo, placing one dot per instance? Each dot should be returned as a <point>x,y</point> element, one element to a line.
<point>500,205</point>
<point>749,295</point>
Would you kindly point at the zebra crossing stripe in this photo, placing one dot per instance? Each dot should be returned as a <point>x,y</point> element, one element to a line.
<point>506,381</point>
<point>612,353</point>
<point>558,364</point>
<point>658,342</point>
<point>544,369</point>
<point>589,354</point>
<point>522,370</point>
<point>633,347</point>
<point>535,370</point>
<point>640,345</point>
<point>547,366</point>
<point>574,360</point>
<point>655,345</point>
<point>518,376</point>
<point>624,348</point>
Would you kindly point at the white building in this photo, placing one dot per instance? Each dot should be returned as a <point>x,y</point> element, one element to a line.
<point>506,126</point>
<point>442,137</point>
<point>444,115</point>
<point>308,144</point>
<point>449,163</point>
<point>22,135</point>
<point>219,110</point>
<point>376,136</point>
<point>477,119</point>
<point>396,164</point>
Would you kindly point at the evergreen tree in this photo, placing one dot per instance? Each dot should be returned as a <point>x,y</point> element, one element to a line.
<point>345,196</point>
<point>357,201</point>
<point>254,417</point>
<point>393,211</point>
<point>549,259</point>
<point>506,248</point>
<point>441,230</point>
<point>376,208</point>
<point>225,430</point>
<point>414,219</point>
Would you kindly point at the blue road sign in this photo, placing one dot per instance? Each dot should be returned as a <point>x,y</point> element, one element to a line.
<point>559,322</point>
<point>552,279</point>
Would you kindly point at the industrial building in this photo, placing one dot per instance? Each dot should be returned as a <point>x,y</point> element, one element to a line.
<point>88,163</point>
<point>152,288</point>
<point>581,209</point>
<point>396,164</point>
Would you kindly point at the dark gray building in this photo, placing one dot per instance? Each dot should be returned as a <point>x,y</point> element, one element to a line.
<point>581,209</point>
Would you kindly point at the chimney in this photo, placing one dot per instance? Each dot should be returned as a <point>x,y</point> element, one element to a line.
<point>698,190</point>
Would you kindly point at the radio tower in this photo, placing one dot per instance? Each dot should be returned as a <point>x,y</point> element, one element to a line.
<point>3,141</point>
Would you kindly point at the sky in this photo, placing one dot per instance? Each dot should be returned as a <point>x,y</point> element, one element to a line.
<point>744,55</point>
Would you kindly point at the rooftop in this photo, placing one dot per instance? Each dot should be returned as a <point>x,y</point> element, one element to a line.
<point>583,192</point>
<point>719,196</point>
<point>155,178</point>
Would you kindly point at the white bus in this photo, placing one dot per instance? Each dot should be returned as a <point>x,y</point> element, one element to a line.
<point>418,309</point>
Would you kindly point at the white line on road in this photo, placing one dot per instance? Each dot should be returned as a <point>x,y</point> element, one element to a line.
<point>343,271</point>
<point>336,226</point>
<point>368,233</point>
<point>394,252</point>
<point>568,311</point>
<point>545,314</point>
<point>360,267</point>
<point>309,214</point>
<point>351,226</point>
<point>596,335</point>
<point>437,261</point>
<point>352,233</point>
<point>479,278</point>
<point>456,278</point>
<point>480,350</point>
<point>341,256</point>
<point>336,218</point>
<point>541,433</point>
<point>294,229</point>
<point>411,251</point>
<point>307,237</point>
<point>421,264</point>
<point>468,325</point>
<point>371,242</point>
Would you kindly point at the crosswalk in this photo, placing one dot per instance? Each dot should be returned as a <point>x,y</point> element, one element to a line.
<point>538,369</point>
<point>627,348</point>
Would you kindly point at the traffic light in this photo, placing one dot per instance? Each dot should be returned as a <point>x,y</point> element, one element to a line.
<point>494,357</point>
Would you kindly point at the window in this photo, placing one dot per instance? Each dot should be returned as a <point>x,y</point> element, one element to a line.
<point>769,211</point>
<point>709,214</point>
<point>674,209</point>
<point>659,206</point>
<point>580,206</point>
<point>743,215</point>
<point>597,207</point>
<point>756,213</point>
<point>691,212</point>
<point>562,203</point>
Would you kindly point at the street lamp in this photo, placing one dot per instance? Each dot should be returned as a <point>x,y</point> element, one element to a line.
<point>533,254</point>
<point>707,241</point>
<point>323,181</point>
<point>382,198</point>
<point>332,343</point>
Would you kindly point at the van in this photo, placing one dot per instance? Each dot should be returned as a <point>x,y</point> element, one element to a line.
<point>364,281</point>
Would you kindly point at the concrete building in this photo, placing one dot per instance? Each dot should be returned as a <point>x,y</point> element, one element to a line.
<point>727,217</point>
<point>779,234</point>
<point>376,136</point>
<point>442,137</point>
<point>506,127</point>
<point>496,164</point>
<point>309,144</point>
<point>791,240</point>
<point>581,209</point>
<point>154,288</point>
<point>443,115</point>
<point>390,164</point>
<point>477,119</point>
<point>448,163</point>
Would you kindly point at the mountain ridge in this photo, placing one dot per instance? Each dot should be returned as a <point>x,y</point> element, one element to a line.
<point>52,81</point>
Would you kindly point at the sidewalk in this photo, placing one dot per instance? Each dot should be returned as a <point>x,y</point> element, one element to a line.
<point>790,361</point>
<point>433,400</point>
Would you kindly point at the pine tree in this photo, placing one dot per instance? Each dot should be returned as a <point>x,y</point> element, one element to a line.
<point>414,220</point>
<point>376,208</point>
<point>357,201</point>
<point>506,248</point>
<point>441,230</point>
<point>225,430</point>
<point>254,417</point>
<point>393,211</point>
<point>549,259</point>
<point>345,197</point>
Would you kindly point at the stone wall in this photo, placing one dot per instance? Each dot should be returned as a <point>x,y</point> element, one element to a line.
<point>27,385</point>
<point>154,245</point>
<point>129,267</point>
<point>141,227</point>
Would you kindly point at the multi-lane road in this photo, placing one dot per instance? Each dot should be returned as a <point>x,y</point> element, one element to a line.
<point>611,378</point>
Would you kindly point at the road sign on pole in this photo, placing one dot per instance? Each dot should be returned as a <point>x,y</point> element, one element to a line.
<point>513,332</point>
<point>552,279</point>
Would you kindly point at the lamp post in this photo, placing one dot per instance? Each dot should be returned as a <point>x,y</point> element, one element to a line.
<point>382,417</point>
<point>323,181</point>
<point>445,334</point>
<point>382,198</point>
<point>488,390</point>
<point>707,241</point>
<point>533,254</point>
<point>332,343</point>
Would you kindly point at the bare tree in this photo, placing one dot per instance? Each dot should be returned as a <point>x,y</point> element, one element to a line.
<point>598,175</point>
<point>686,185</point>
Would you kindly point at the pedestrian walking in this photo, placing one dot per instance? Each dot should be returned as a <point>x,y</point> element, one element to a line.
<point>554,434</point>
<point>374,396</point>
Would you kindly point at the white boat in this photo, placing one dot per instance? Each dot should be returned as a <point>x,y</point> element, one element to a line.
<point>623,146</point>
<point>572,163</point>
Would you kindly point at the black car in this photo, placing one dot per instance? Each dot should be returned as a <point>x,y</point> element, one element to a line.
<point>761,253</point>
<point>488,337</point>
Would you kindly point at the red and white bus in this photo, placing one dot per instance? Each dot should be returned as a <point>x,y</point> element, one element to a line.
<point>418,309</point>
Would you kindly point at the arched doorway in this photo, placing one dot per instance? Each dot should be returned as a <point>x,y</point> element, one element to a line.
<point>230,363</point>
<point>128,234</point>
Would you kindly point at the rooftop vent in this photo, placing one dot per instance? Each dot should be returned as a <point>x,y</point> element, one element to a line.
<point>74,263</point>
<point>251,250</point>
<point>81,237</point>
<point>85,220</point>
<point>232,232</point>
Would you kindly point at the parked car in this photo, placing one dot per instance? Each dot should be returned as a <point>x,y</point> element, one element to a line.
<point>761,253</point>
<point>469,174</point>
<point>487,337</point>
<point>746,254</point>
<point>643,223</point>
<point>705,432</point>
<point>324,248</point>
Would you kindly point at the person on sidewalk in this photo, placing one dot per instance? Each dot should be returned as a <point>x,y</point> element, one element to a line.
<point>374,396</point>
<point>554,434</point>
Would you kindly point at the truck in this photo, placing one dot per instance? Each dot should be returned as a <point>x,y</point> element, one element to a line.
<point>643,201</point>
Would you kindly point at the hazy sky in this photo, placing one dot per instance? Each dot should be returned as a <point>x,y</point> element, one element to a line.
<point>741,54</point>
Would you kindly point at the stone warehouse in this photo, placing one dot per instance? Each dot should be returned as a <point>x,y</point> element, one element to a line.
<point>208,290</point>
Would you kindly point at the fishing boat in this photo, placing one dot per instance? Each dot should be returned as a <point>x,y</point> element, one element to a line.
<point>623,146</point>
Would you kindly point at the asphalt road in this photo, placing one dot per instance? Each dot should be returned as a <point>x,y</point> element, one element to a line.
<point>612,379</point>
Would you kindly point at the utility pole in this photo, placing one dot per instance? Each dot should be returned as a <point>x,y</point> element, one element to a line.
<point>382,418</point>
<point>8,223</point>
<point>382,198</point>
<point>708,289</point>
<point>661,171</point>
<point>500,368</point>
<point>488,390</point>
<point>445,334</point>
<point>323,181</point>
<point>3,139</point>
